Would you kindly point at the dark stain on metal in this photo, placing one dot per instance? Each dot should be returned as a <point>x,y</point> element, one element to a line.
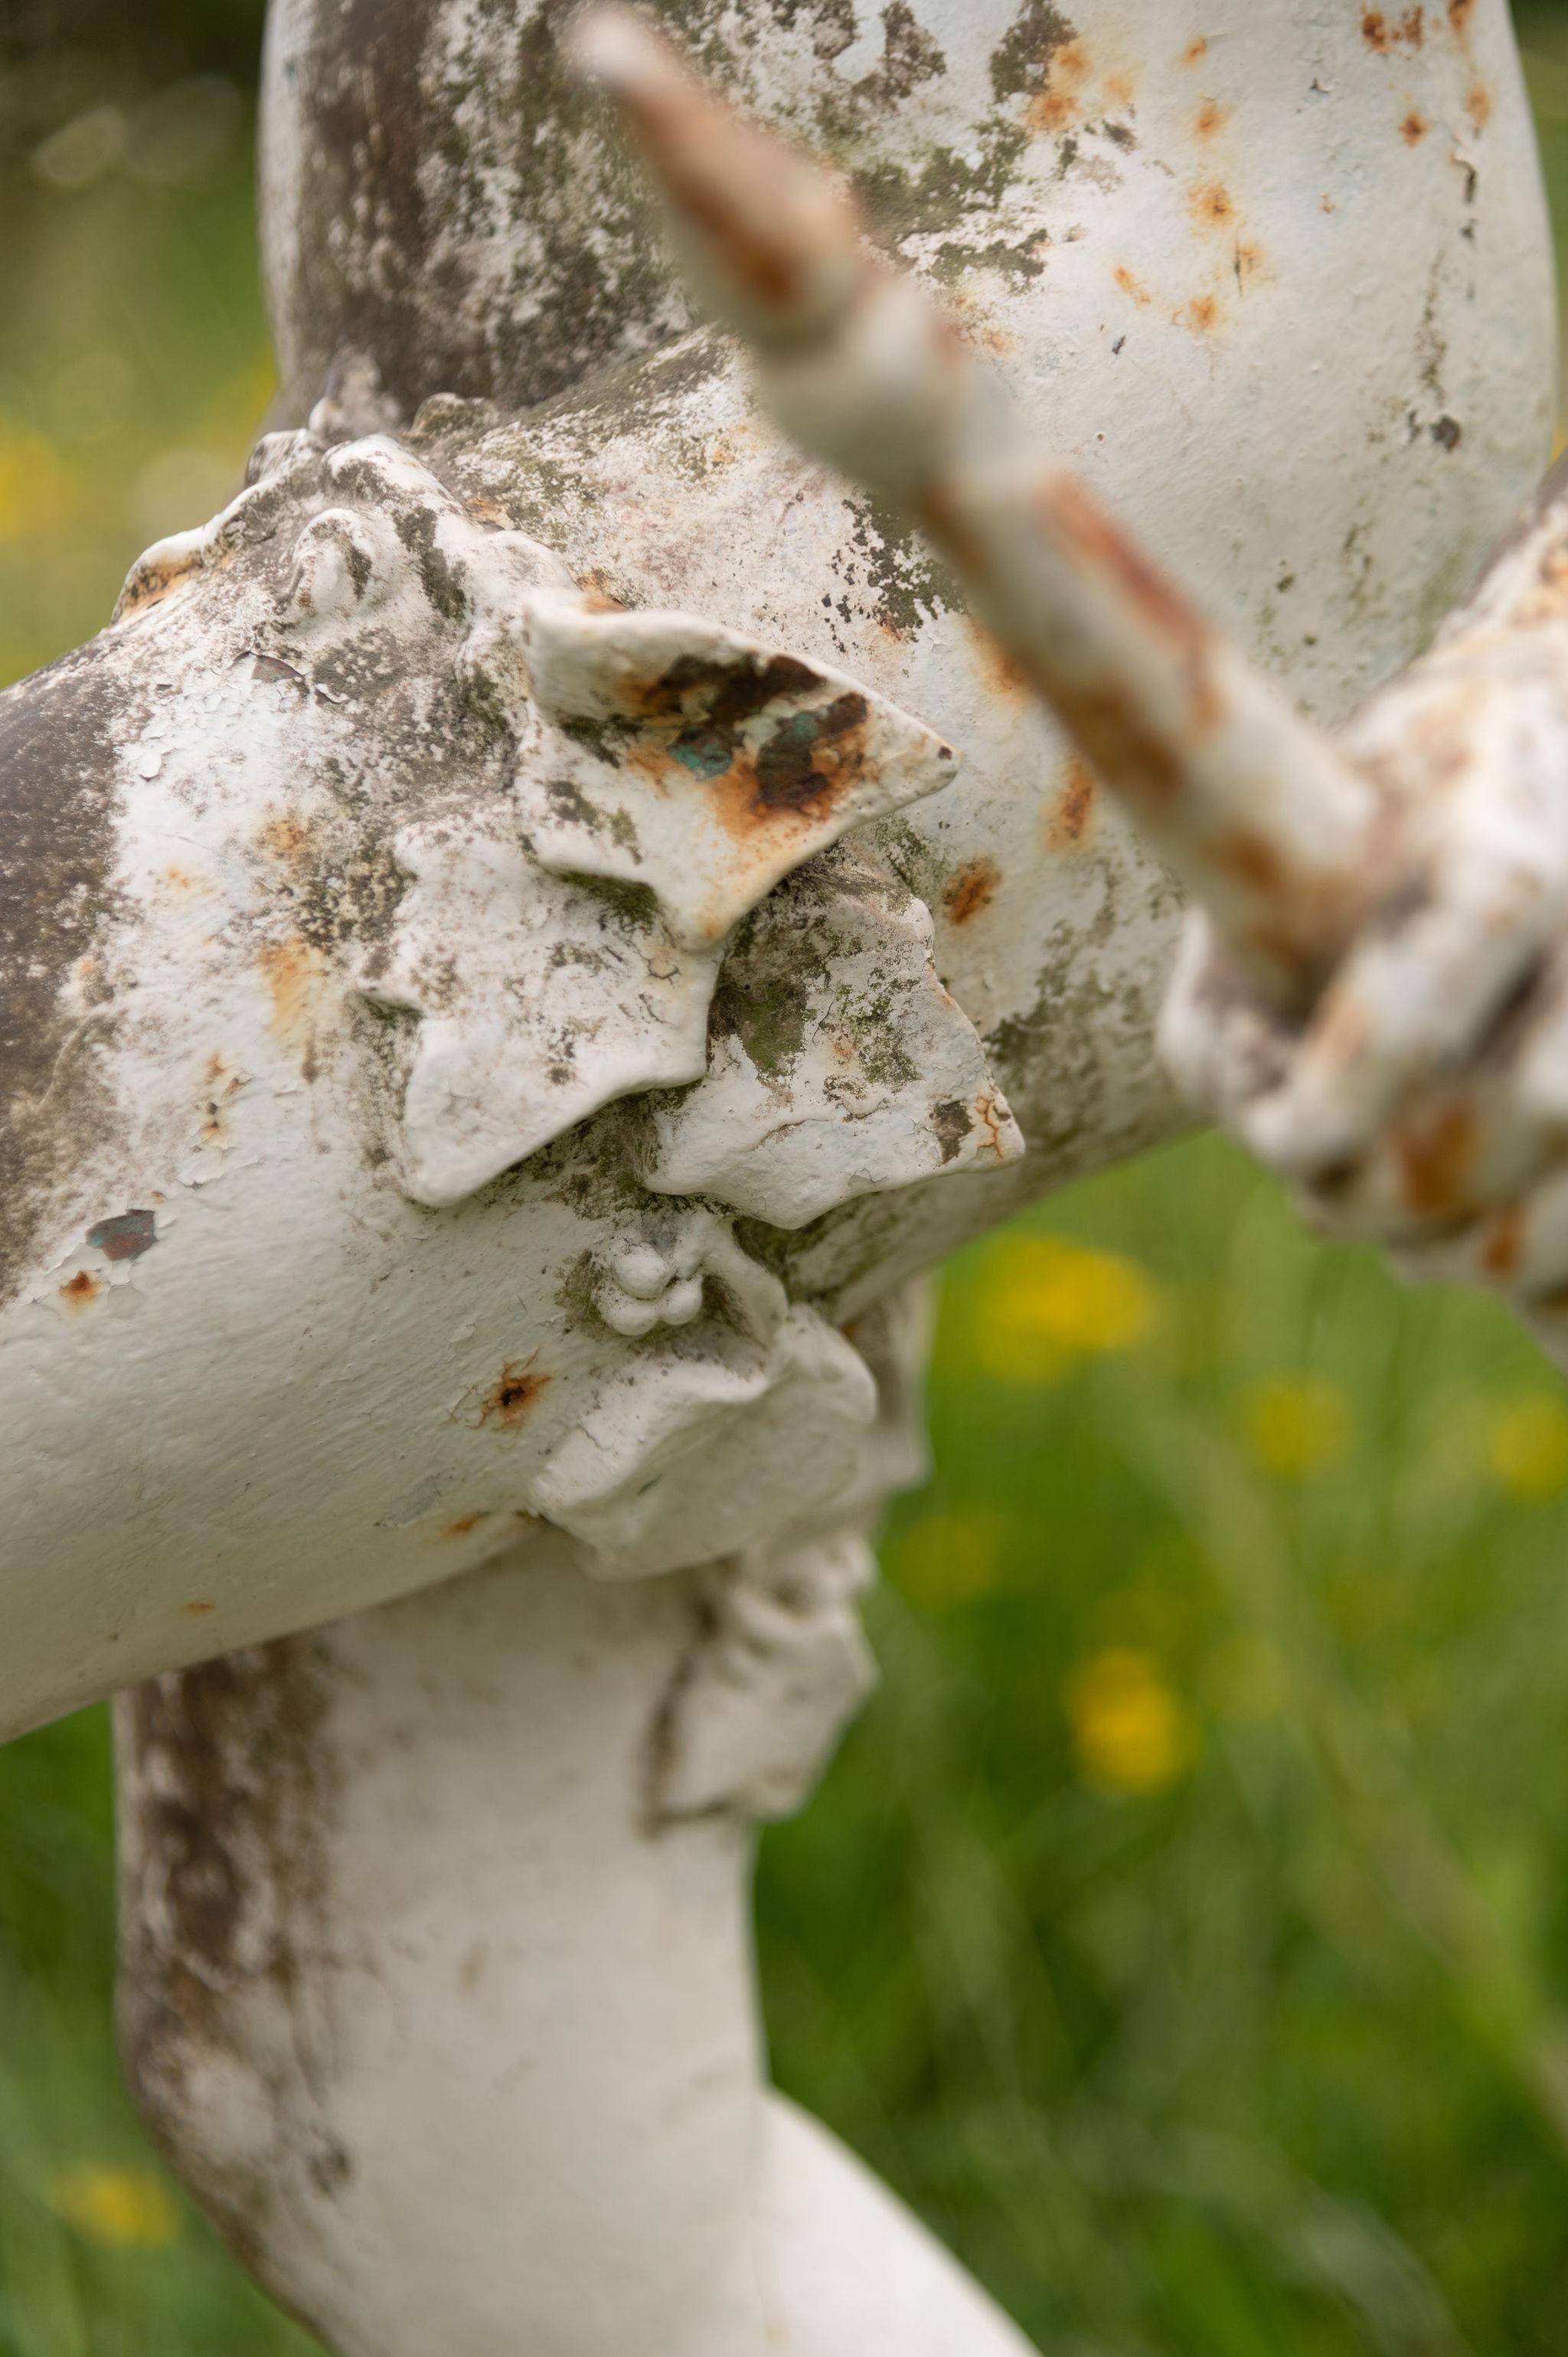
<point>127,1236</point>
<point>1435,1158</point>
<point>226,1788</point>
<point>953,1122</point>
<point>513,1396</point>
<point>58,799</point>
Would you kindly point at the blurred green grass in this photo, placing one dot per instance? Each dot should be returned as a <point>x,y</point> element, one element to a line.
<point>1185,1928</point>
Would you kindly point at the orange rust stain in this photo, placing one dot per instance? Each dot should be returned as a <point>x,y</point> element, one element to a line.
<point>1504,1246</point>
<point>292,970</point>
<point>460,1527</point>
<point>1478,105</point>
<point>1413,129</point>
<point>1249,260</point>
<point>1435,1159</point>
<point>1327,205</point>
<point>1195,50</point>
<point>1211,119</point>
<point>769,270</point>
<point>79,1289</point>
<point>971,890</point>
<point>1059,102</point>
<point>1132,287</point>
<point>1212,206</point>
<point>1105,550</point>
<point>513,1396</point>
<point>198,1608</point>
<point>283,837</point>
<point>1005,675</point>
<point>1201,315</point>
<point>1073,814</point>
<point>1459,15</point>
<point>1118,91</point>
<point>1383,34</point>
<point>181,879</point>
<point>1251,860</point>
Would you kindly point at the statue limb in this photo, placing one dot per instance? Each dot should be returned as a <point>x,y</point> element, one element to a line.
<point>452,2034</point>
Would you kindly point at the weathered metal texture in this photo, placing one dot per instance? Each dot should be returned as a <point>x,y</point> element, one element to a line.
<point>305,684</point>
<point>437,1979</point>
<point>1374,907</point>
<point>1423,1101</point>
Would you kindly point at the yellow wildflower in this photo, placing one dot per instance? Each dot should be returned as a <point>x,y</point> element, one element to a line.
<point>1296,1428</point>
<point>119,2208</point>
<point>1527,1446</point>
<point>1131,1731</point>
<point>946,1560</point>
<point>1048,1302</point>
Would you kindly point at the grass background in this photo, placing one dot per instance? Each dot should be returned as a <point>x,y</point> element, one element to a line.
<point>1185,1929</point>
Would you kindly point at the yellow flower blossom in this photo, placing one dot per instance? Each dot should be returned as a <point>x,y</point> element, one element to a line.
<point>1527,1446</point>
<point>1130,1730</point>
<point>1048,1302</point>
<point>945,1561</point>
<point>118,2208</point>
<point>1296,1426</point>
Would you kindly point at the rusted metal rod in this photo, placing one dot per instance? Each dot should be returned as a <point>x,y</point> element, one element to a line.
<point>1253,806</point>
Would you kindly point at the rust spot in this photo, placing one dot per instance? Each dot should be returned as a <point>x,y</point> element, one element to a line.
<point>513,1396</point>
<point>1413,129</point>
<point>1059,102</point>
<point>1435,1159</point>
<point>181,879</point>
<point>1195,50</point>
<point>293,970</point>
<point>79,1289</point>
<point>1382,33</point>
<point>798,764</point>
<point>1118,91</point>
<point>1104,549</point>
<point>971,890</point>
<point>127,1236</point>
<point>1005,675</point>
<point>1212,206</point>
<point>769,272</point>
<point>285,838</point>
<point>1073,814</point>
<point>1211,119</point>
<point>1459,15</point>
<point>462,1524</point>
<point>1504,1246</point>
<point>1478,105</point>
<point>1134,288</point>
<point>1251,860</point>
<point>1201,315</point>
<point>198,1608</point>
